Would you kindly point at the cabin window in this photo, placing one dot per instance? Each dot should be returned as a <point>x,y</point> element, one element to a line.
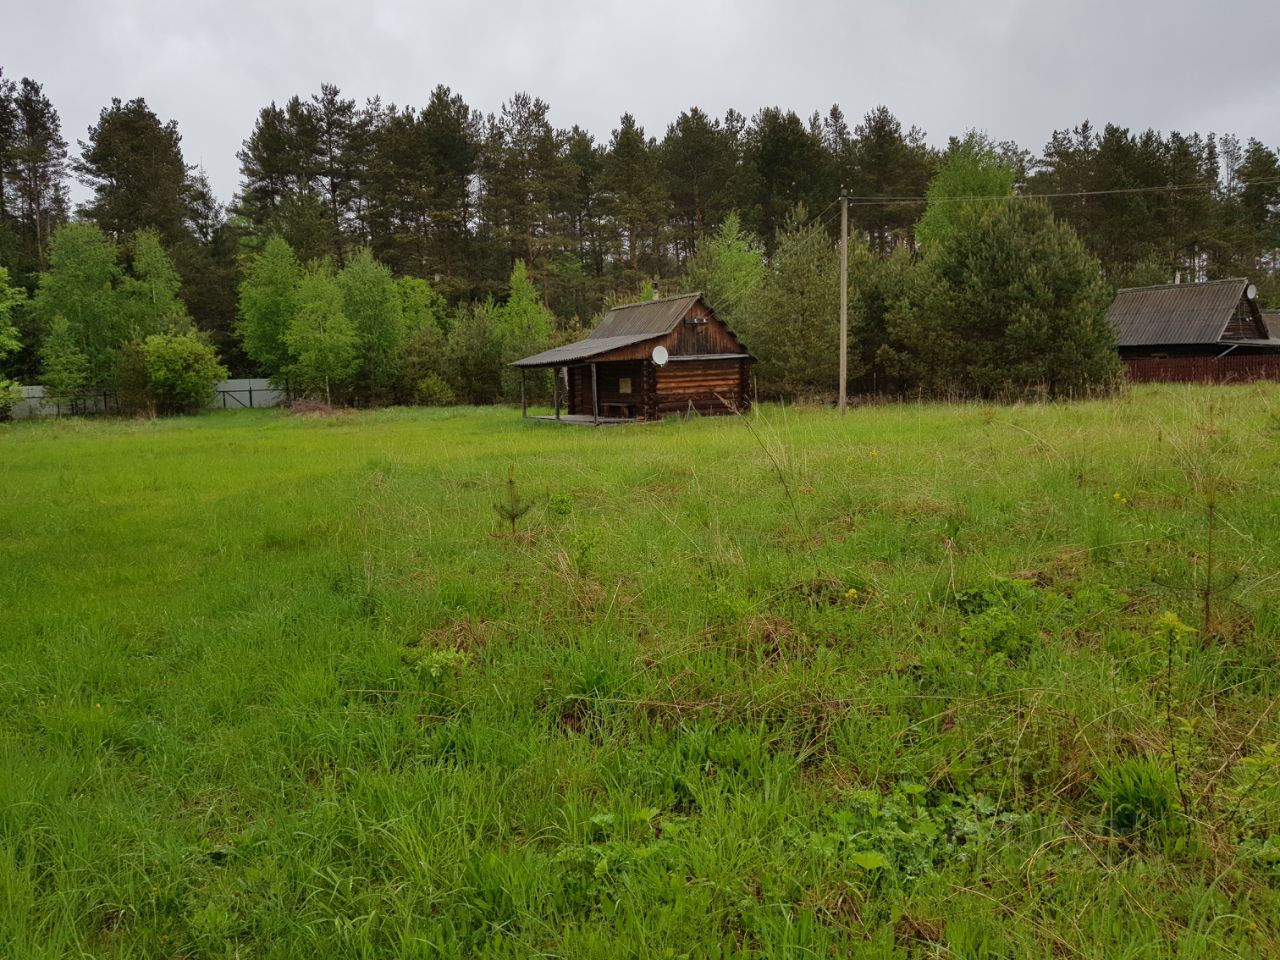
<point>624,384</point>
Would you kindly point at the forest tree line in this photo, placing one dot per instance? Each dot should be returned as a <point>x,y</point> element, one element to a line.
<point>488,234</point>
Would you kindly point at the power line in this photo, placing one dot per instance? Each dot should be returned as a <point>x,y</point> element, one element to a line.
<point>809,220</point>
<point>1167,188</point>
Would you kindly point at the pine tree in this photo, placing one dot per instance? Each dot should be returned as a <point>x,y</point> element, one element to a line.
<point>133,164</point>
<point>475,354</point>
<point>33,173</point>
<point>526,178</point>
<point>340,132</point>
<point>888,163</point>
<point>416,187</point>
<point>699,163</point>
<point>8,133</point>
<point>574,279</point>
<point>399,192</point>
<point>270,171</point>
<point>637,198</point>
<point>451,132</point>
<point>783,166</point>
<point>793,325</point>
<point>729,270</point>
<point>1010,303</point>
<point>210,273</point>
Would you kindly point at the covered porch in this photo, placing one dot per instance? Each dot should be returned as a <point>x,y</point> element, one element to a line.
<point>608,392</point>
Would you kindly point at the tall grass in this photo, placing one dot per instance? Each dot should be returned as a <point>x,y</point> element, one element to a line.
<point>284,687</point>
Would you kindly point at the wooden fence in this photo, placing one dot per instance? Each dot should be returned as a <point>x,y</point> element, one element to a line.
<point>1228,369</point>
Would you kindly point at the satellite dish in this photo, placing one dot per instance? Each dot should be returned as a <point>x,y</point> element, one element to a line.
<point>660,355</point>
<point>1251,292</point>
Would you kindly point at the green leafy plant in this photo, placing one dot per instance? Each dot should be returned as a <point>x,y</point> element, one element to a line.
<point>906,833</point>
<point>433,668</point>
<point>181,371</point>
<point>433,391</point>
<point>1139,798</point>
<point>1005,618</point>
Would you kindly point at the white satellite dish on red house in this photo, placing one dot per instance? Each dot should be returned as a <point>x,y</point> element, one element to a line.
<point>1251,292</point>
<point>660,355</point>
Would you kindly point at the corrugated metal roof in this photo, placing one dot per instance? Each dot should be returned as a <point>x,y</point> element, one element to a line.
<point>1174,313</point>
<point>650,317</point>
<point>621,327</point>
<point>582,350</point>
<point>1272,319</point>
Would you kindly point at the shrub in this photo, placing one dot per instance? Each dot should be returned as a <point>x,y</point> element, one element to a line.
<point>10,394</point>
<point>181,371</point>
<point>433,391</point>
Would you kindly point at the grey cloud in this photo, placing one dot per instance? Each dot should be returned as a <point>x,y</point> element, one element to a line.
<point>1017,69</point>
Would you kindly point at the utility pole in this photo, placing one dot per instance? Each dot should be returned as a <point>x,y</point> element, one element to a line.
<point>844,301</point>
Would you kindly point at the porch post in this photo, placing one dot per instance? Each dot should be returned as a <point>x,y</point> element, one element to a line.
<point>555,379</point>
<point>524,404</point>
<point>595,397</point>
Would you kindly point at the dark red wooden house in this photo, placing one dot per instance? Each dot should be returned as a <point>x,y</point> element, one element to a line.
<point>647,360</point>
<point>1210,332</point>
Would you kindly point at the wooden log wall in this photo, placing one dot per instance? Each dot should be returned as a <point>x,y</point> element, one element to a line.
<point>701,384</point>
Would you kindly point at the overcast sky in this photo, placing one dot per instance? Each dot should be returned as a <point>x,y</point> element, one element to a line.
<point>1016,68</point>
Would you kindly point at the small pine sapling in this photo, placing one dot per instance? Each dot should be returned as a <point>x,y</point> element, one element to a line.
<point>514,508</point>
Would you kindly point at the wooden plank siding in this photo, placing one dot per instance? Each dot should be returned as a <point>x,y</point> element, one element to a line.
<point>708,336</point>
<point>1228,369</point>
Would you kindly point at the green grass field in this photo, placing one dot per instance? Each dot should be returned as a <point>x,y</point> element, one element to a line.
<point>273,686</point>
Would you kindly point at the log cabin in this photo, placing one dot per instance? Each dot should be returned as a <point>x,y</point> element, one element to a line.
<point>1211,332</point>
<point>648,360</point>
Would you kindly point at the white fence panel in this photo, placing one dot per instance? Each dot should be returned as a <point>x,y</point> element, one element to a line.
<point>236,394</point>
